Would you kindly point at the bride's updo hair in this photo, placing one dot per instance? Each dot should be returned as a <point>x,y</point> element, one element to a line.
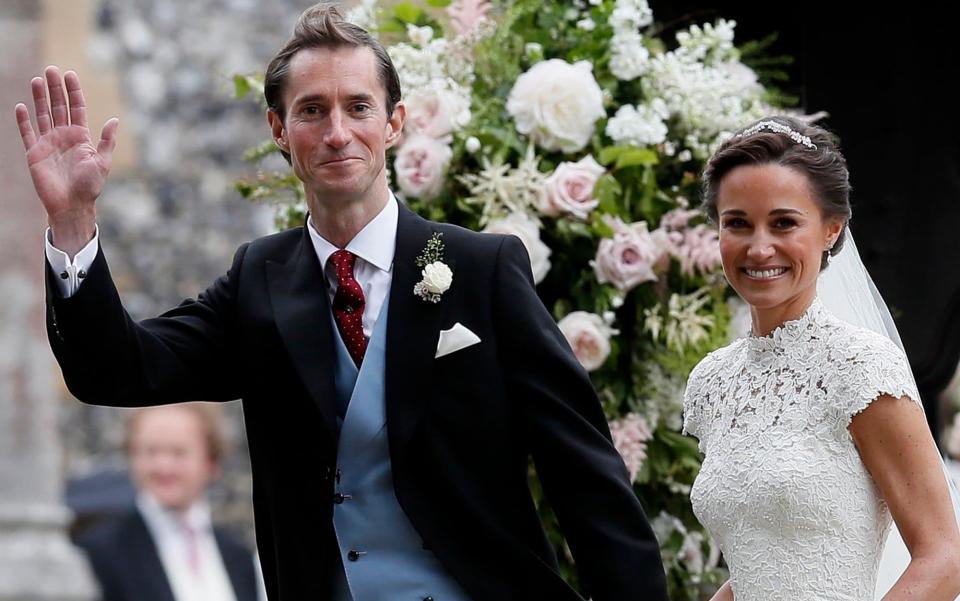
<point>808,149</point>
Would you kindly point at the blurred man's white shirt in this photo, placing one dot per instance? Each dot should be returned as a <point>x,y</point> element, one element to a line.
<point>194,569</point>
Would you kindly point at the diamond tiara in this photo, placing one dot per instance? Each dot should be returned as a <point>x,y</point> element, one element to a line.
<point>778,128</point>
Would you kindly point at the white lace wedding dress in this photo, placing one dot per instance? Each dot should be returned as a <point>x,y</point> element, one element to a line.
<point>782,488</point>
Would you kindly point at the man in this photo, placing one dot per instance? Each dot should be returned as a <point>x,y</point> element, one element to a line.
<point>166,548</point>
<point>390,414</point>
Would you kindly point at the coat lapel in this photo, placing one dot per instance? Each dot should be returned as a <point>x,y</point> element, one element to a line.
<point>413,330</point>
<point>141,552</point>
<point>301,309</point>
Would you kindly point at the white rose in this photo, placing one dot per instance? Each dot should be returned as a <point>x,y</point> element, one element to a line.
<point>627,259</point>
<point>526,228</point>
<point>569,189</point>
<point>588,336</point>
<point>557,104</point>
<point>436,113</point>
<point>420,166</point>
<point>437,278</point>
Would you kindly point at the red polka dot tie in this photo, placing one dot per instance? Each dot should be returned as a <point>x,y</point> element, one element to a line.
<point>348,305</point>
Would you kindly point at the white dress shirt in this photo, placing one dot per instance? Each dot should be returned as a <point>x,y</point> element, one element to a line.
<point>70,274</point>
<point>374,247</point>
<point>208,581</point>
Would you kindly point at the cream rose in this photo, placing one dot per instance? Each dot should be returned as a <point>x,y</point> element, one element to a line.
<point>436,113</point>
<point>589,337</point>
<point>569,189</point>
<point>437,278</point>
<point>526,228</point>
<point>420,166</point>
<point>629,258</point>
<point>557,104</point>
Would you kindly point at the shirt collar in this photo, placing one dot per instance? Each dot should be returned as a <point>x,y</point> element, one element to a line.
<point>376,243</point>
<point>162,520</point>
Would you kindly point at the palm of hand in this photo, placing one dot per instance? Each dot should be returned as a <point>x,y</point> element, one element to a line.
<point>66,168</point>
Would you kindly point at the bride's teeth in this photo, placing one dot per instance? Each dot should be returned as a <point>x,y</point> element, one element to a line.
<point>768,273</point>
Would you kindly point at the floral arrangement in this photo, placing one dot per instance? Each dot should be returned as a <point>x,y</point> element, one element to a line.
<point>582,127</point>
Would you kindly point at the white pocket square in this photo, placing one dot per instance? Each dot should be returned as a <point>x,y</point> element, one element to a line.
<point>456,338</point>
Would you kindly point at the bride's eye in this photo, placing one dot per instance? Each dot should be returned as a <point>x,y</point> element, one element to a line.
<point>735,223</point>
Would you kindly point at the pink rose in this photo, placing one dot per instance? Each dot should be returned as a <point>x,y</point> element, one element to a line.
<point>589,337</point>
<point>569,189</point>
<point>435,113</point>
<point>627,259</point>
<point>420,166</point>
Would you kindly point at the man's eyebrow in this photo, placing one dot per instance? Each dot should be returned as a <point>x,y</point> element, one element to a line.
<point>358,96</point>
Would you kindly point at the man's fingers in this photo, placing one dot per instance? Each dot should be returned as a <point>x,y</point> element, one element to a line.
<point>27,135</point>
<point>41,110</point>
<point>108,139</point>
<point>58,97</point>
<point>78,106</point>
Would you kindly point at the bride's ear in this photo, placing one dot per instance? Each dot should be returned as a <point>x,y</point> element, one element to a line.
<point>834,229</point>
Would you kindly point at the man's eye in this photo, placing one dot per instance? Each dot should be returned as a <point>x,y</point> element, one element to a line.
<point>361,108</point>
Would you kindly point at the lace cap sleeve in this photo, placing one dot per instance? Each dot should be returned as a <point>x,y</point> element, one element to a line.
<point>872,366</point>
<point>697,401</point>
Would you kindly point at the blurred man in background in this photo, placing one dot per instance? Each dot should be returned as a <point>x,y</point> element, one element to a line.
<point>166,548</point>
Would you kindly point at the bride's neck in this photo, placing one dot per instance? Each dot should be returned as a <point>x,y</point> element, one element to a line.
<point>768,319</point>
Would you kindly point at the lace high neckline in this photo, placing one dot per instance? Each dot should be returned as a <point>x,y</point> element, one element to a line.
<point>791,331</point>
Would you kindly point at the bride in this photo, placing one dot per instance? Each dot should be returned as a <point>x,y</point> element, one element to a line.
<point>812,431</point>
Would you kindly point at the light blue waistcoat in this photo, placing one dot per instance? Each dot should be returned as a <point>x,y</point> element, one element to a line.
<point>389,562</point>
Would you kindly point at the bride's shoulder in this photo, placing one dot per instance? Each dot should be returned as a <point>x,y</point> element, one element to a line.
<point>859,344</point>
<point>864,365</point>
<point>716,361</point>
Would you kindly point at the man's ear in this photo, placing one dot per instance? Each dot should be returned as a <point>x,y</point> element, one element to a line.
<point>277,129</point>
<point>395,124</point>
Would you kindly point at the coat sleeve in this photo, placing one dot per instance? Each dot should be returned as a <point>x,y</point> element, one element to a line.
<point>581,471</point>
<point>107,358</point>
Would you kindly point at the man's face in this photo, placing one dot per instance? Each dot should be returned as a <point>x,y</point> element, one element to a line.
<point>169,456</point>
<point>336,127</point>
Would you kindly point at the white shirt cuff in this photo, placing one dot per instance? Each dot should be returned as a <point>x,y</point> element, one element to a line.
<point>70,274</point>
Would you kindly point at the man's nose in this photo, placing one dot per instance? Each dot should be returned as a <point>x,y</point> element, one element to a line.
<point>338,135</point>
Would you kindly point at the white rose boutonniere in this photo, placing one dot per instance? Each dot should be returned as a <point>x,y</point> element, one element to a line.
<point>437,275</point>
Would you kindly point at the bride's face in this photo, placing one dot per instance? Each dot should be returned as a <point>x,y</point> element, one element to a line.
<point>772,237</point>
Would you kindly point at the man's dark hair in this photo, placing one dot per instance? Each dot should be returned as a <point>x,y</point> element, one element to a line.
<point>322,26</point>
